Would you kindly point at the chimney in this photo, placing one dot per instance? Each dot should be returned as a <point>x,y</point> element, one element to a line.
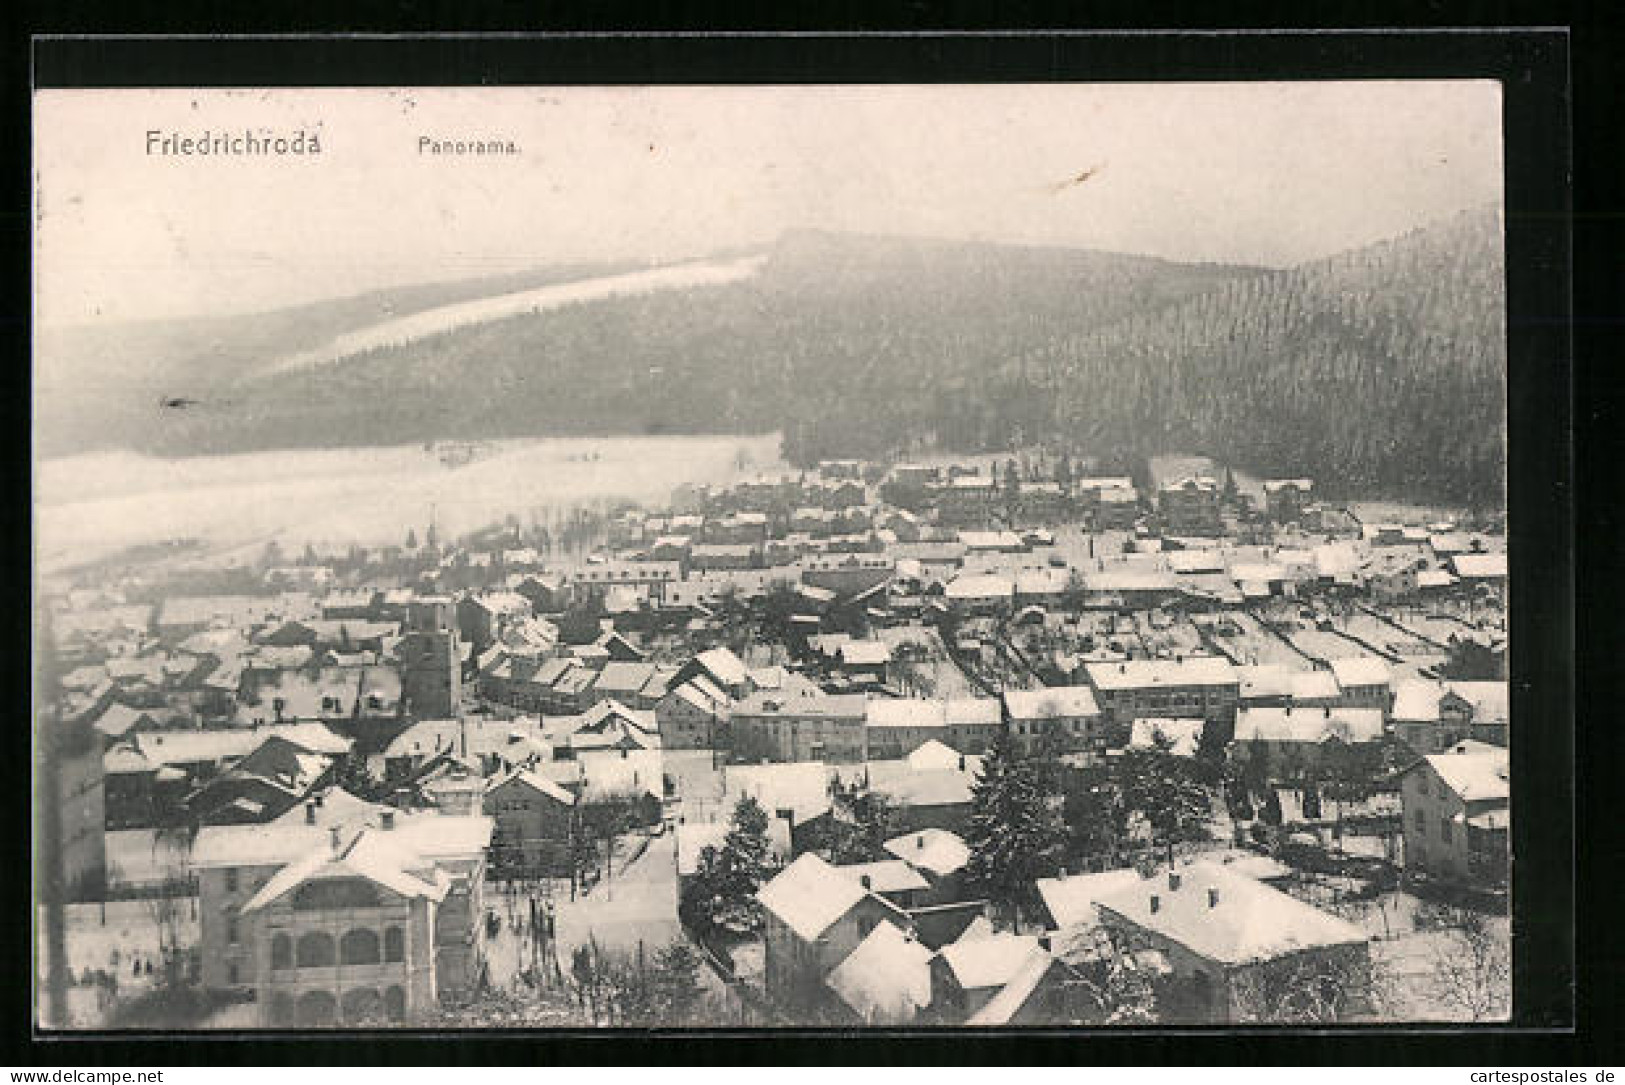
<point>919,842</point>
<point>1328,710</point>
<point>386,820</point>
<point>867,882</point>
<point>310,812</point>
<point>1213,896</point>
<point>1156,902</point>
<point>333,837</point>
<point>1173,880</point>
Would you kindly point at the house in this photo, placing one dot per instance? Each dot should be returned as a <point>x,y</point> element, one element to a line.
<point>1457,814</point>
<point>1296,736</point>
<point>886,980</point>
<point>980,593</point>
<point>1187,687</point>
<point>1036,993</point>
<point>694,716</point>
<point>968,973</point>
<point>533,818</point>
<point>1286,499</point>
<point>814,918</point>
<point>724,669</point>
<point>939,855</point>
<point>480,617</point>
<point>806,727</point>
<point>1190,506</point>
<point>921,794</point>
<point>1364,681</point>
<point>1065,716</point>
<point>1233,943</point>
<point>265,784</point>
<point>286,907</point>
<point>627,682</point>
<point>1069,901</point>
<point>891,878</point>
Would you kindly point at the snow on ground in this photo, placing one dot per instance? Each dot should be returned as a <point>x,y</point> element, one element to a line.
<point>93,506</point>
<point>437,321</point>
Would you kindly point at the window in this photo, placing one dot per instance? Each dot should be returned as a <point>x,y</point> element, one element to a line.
<point>359,946</point>
<point>1444,829</point>
<point>231,973</point>
<point>1421,822</point>
<point>281,952</point>
<point>231,930</point>
<point>316,950</point>
<point>231,879</point>
<point>394,944</point>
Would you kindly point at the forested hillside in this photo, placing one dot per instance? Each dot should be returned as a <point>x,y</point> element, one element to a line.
<point>1380,371</point>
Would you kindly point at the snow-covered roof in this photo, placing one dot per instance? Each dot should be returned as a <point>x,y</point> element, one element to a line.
<point>373,854</point>
<point>1226,916</point>
<point>932,754</point>
<point>1146,673</point>
<point>1416,700</point>
<point>1360,671</point>
<point>1473,770</point>
<point>1264,681</point>
<point>886,980</point>
<point>1313,725</point>
<point>1053,702</point>
<point>885,876</point>
<point>1071,900</point>
<point>1490,700</point>
<point>1315,685</point>
<point>989,960</point>
<point>536,782</point>
<point>980,586</point>
<point>809,895</point>
<point>1479,566</point>
<point>936,851</point>
<point>1002,1007</point>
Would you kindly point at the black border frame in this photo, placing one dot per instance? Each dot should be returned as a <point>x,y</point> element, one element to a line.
<point>1533,67</point>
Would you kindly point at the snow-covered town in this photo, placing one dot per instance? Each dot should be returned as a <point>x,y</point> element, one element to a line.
<point>985,741</point>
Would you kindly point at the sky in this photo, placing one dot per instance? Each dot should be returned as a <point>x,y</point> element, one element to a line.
<point>1261,173</point>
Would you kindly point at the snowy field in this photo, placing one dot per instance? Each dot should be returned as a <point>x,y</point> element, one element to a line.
<point>92,506</point>
<point>445,318</point>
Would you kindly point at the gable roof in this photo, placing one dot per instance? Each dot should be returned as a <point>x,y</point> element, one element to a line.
<point>886,980</point>
<point>936,851</point>
<point>809,896</point>
<point>1241,921</point>
<point>1002,1008</point>
<point>1071,899</point>
<point>987,960</point>
<point>371,854</point>
<point>1473,770</point>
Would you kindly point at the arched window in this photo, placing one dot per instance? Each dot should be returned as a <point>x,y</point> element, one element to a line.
<point>315,951</point>
<point>317,1009</point>
<point>363,1006</point>
<point>359,946</point>
<point>281,952</point>
<point>395,1003</point>
<point>282,1013</point>
<point>394,944</point>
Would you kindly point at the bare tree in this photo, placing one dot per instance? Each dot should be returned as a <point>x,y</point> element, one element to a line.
<point>1315,989</point>
<point>1471,969</point>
